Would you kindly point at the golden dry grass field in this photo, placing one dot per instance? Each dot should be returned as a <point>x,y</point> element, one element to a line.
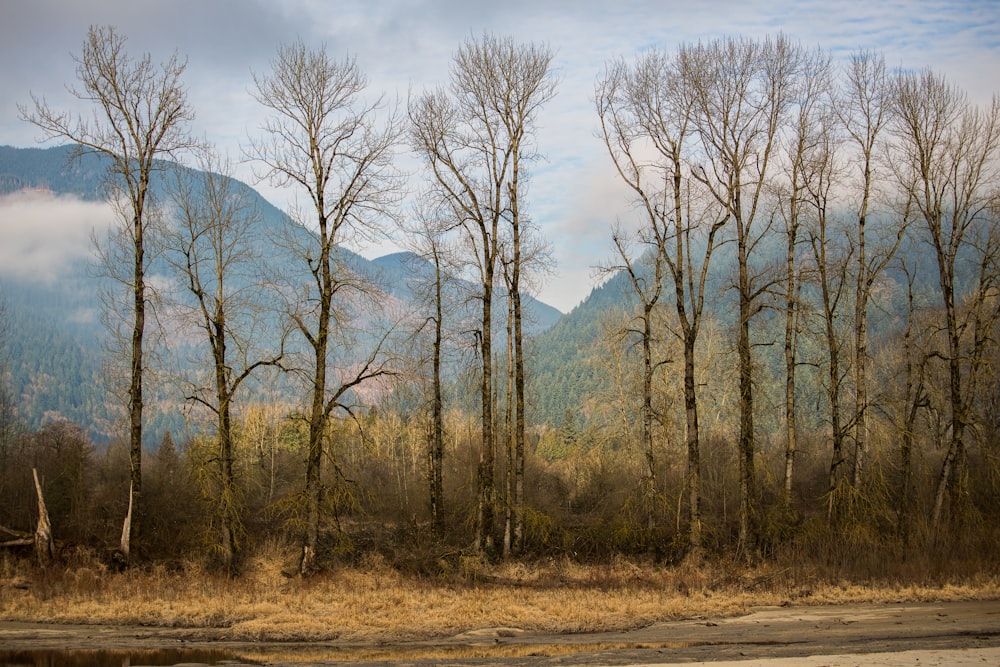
<point>374,603</point>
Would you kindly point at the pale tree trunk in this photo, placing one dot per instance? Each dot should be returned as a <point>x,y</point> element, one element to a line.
<point>792,309</point>
<point>126,539</point>
<point>44,547</point>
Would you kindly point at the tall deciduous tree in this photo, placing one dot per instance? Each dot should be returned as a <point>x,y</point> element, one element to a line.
<point>430,242</point>
<point>864,107</point>
<point>831,273</point>
<point>947,167</point>
<point>475,137</point>
<point>807,165</point>
<point>213,249</point>
<point>741,92</point>
<point>324,138</point>
<point>140,115</point>
<point>645,113</point>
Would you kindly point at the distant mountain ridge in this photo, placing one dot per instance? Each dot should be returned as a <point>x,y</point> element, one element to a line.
<point>55,332</point>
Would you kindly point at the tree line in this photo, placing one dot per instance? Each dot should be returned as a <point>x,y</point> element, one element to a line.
<point>769,180</point>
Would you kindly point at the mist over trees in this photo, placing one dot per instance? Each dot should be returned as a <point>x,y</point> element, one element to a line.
<point>794,354</point>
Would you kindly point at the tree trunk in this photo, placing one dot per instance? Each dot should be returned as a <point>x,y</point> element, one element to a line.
<point>647,418</point>
<point>126,541</point>
<point>861,358</point>
<point>509,436</point>
<point>747,536</point>
<point>519,425</point>
<point>44,547</point>
<point>791,330</point>
<point>317,418</point>
<point>693,448</point>
<point>132,531</point>
<point>486,497</point>
<point>437,419</point>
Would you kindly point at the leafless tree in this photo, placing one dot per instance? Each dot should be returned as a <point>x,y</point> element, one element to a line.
<point>475,138</point>
<point>646,112</point>
<point>864,106</point>
<point>946,165</point>
<point>806,166</point>
<point>140,115</point>
<point>741,91</point>
<point>831,263</point>
<point>524,255</point>
<point>913,400</point>
<point>324,138</point>
<point>213,248</point>
<point>429,240</point>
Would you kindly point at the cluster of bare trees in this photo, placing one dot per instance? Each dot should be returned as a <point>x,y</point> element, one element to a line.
<point>740,143</point>
<point>336,148</point>
<point>736,151</point>
<point>477,138</point>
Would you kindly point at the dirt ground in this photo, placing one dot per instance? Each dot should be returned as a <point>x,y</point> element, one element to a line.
<point>944,633</point>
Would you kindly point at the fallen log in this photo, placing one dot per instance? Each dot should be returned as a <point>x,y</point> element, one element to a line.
<point>20,542</point>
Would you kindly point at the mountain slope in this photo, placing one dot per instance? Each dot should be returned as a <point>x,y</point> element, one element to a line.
<point>55,334</point>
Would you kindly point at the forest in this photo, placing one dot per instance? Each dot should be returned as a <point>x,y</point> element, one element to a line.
<point>793,354</point>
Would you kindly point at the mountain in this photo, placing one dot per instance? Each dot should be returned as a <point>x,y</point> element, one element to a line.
<point>404,272</point>
<point>562,375</point>
<point>49,207</point>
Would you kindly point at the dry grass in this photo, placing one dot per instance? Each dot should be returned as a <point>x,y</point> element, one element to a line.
<point>375,603</point>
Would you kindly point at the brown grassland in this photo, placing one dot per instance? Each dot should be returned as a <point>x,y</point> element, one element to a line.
<point>372,602</point>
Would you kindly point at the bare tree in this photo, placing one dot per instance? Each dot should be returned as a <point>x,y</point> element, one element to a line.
<point>523,255</point>
<point>324,138</point>
<point>914,399</point>
<point>831,264</point>
<point>429,240</point>
<point>864,107</point>
<point>213,250</point>
<point>947,162</point>
<point>805,163</point>
<point>741,92</point>
<point>475,139</point>
<point>141,115</point>
<point>645,113</point>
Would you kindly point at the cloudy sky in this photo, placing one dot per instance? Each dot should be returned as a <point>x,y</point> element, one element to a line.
<point>405,45</point>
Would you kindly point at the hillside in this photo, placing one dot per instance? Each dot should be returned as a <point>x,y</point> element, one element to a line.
<point>54,333</point>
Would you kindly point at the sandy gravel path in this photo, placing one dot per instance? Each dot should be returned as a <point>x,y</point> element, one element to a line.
<point>945,633</point>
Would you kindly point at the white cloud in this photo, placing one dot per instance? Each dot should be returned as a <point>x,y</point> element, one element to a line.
<point>44,235</point>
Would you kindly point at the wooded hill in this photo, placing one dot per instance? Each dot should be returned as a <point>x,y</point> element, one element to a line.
<point>55,337</point>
